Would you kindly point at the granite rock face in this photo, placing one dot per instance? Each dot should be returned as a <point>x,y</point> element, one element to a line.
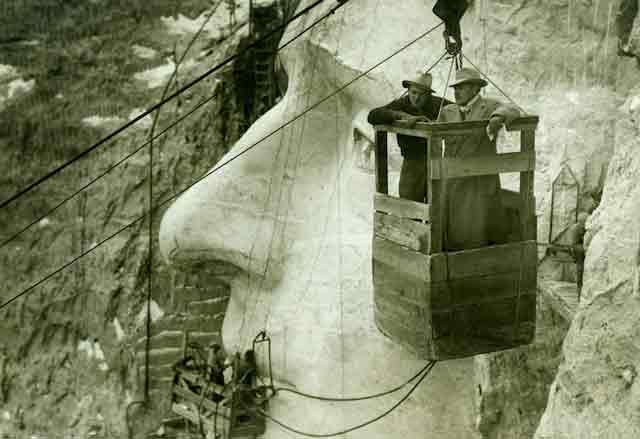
<point>596,393</point>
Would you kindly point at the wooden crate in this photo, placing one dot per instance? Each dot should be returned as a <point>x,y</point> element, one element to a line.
<point>444,305</point>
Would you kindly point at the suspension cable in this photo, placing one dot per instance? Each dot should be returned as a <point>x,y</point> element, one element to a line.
<point>217,168</point>
<point>178,92</point>
<point>148,142</point>
<point>494,84</point>
<point>444,93</point>
<point>262,413</point>
<point>277,390</point>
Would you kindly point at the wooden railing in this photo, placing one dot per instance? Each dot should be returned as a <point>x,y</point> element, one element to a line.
<point>438,169</point>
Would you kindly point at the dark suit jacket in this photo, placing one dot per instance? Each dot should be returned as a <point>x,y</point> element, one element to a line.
<point>411,147</point>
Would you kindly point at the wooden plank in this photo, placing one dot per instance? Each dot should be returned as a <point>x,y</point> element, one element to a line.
<point>427,129</point>
<point>406,261</point>
<point>411,314</point>
<point>455,346</point>
<point>415,339</point>
<point>406,232</point>
<point>510,199</point>
<point>401,207</point>
<point>481,290</point>
<point>529,122</point>
<point>437,198</point>
<point>483,316</point>
<point>483,165</point>
<point>382,179</point>
<point>527,209</point>
<point>496,259</point>
<point>221,426</point>
<point>197,399</point>
<point>402,130</point>
<point>390,282</point>
<point>198,379</point>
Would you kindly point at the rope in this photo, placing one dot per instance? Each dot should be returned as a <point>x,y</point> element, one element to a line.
<point>110,136</point>
<point>144,144</point>
<point>494,84</point>
<point>217,168</point>
<point>355,398</point>
<point>350,429</point>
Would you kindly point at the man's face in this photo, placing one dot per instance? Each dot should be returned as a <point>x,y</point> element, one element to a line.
<point>465,92</point>
<point>418,96</point>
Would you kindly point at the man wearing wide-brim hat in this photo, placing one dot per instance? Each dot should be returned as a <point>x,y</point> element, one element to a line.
<point>474,216</point>
<point>418,105</point>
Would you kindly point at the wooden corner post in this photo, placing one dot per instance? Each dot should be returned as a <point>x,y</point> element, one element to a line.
<point>527,209</point>
<point>436,193</point>
<point>382,179</point>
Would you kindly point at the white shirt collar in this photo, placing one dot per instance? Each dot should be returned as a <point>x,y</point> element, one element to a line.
<point>467,108</point>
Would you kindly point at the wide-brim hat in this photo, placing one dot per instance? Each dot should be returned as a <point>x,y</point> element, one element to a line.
<point>422,80</point>
<point>466,75</point>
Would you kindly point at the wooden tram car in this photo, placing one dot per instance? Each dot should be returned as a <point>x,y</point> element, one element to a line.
<point>449,304</point>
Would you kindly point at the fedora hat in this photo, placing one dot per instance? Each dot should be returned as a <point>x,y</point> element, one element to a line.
<point>422,80</point>
<point>466,75</point>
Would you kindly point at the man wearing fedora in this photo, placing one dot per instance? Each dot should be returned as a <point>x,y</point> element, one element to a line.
<point>474,216</point>
<point>417,105</point>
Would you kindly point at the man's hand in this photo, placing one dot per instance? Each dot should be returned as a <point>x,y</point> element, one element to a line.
<point>494,125</point>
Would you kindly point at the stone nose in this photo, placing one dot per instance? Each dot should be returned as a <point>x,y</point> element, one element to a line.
<point>226,216</point>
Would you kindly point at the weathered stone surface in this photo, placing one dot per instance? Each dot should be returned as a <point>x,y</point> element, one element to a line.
<point>596,393</point>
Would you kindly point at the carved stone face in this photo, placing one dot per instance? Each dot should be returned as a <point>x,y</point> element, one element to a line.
<point>295,215</point>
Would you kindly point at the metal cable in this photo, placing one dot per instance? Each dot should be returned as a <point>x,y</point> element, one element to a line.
<point>350,429</point>
<point>494,84</point>
<point>178,92</point>
<point>277,390</point>
<point>217,168</point>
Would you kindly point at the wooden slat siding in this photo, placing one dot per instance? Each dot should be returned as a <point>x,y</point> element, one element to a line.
<point>483,165</point>
<point>382,182</point>
<point>401,207</point>
<point>527,212</point>
<point>405,232</point>
<point>483,261</point>
<point>436,197</point>
<point>407,262</point>
<point>412,338</point>
<point>412,315</point>
<point>450,347</point>
<point>496,313</point>
<point>510,199</point>
<point>480,290</point>
<point>390,282</point>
